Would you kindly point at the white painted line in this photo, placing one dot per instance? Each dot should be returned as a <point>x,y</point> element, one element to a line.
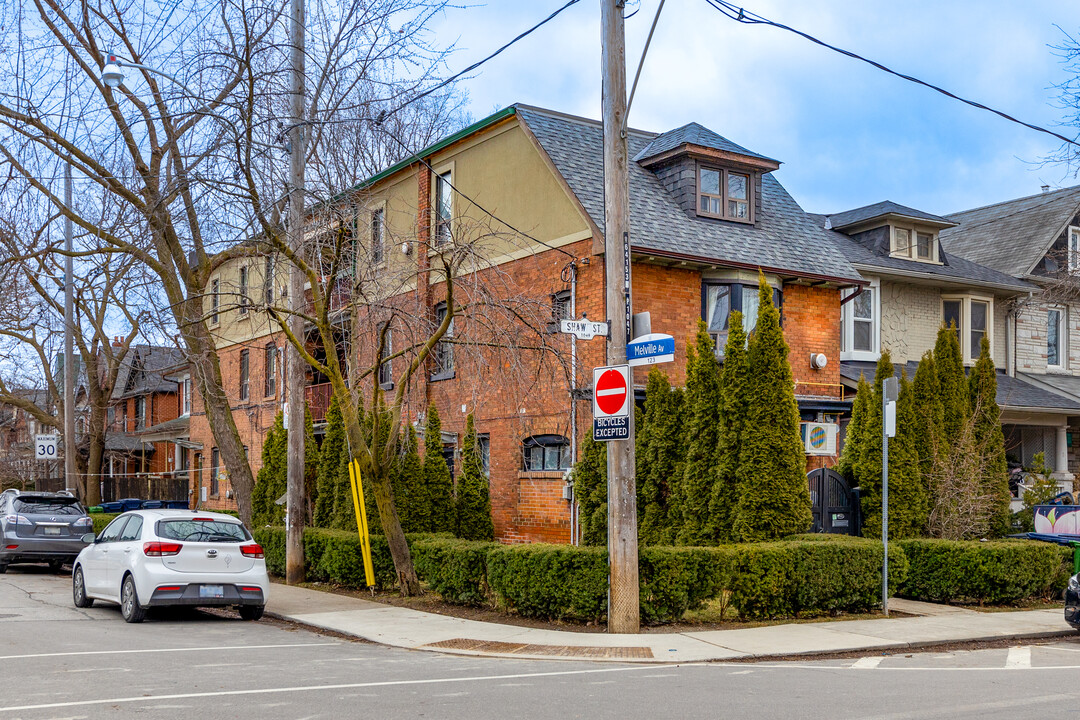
<point>1019,658</point>
<point>867,663</point>
<point>165,650</point>
<point>319,688</point>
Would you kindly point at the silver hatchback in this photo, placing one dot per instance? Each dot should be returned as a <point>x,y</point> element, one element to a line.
<point>37,527</point>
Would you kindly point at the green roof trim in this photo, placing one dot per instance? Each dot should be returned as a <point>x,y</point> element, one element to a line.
<point>430,149</point>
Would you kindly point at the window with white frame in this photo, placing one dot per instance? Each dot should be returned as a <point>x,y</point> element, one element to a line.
<point>973,318</point>
<point>1057,338</point>
<point>215,300</point>
<point>377,237</point>
<point>185,396</point>
<point>1074,248</point>
<point>914,244</point>
<point>444,207</point>
<point>244,300</point>
<point>860,321</point>
<point>386,366</point>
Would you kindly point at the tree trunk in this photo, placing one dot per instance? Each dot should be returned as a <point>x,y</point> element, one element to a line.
<point>408,582</point>
<point>95,459</point>
<point>206,371</point>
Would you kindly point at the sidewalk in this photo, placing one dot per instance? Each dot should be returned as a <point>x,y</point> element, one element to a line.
<point>417,630</point>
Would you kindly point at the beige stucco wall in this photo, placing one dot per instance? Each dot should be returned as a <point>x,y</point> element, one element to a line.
<point>911,316</point>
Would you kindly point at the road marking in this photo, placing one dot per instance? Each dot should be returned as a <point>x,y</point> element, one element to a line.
<point>319,688</point>
<point>867,663</point>
<point>165,650</point>
<point>1019,658</point>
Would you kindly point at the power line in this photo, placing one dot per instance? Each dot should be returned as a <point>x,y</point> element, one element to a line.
<point>748,18</point>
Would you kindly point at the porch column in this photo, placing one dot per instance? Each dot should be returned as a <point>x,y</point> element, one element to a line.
<point>1061,455</point>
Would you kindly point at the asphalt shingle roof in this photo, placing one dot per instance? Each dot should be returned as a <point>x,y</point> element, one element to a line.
<point>954,268</point>
<point>784,238</point>
<point>1011,391</point>
<point>143,371</point>
<point>1011,236</point>
<point>693,134</point>
<point>858,215</point>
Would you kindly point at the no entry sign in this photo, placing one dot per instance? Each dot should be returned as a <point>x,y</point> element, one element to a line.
<point>611,403</point>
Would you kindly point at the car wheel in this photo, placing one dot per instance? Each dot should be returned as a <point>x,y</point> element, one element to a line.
<point>56,565</point>
<point>78,590</point>
<point>251,612</point>
<point>129,602</point>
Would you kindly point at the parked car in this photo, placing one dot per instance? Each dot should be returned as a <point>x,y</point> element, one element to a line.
<point>40,527</point>
<point>1072,602</point>
<point>156,558</point>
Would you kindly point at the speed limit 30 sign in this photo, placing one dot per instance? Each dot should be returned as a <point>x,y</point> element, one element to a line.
<point>611,403</point>
<point>45,447</point>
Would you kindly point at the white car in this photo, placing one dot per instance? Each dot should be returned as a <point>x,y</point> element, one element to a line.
<point>154,558</point>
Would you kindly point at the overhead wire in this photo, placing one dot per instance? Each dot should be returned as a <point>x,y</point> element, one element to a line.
<point>746,17</point>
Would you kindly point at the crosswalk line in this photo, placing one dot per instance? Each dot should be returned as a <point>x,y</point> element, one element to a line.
<point>1018,658</point>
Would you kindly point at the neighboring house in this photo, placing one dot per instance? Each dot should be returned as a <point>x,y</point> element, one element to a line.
<point>706,215</point>
<point>18,466</point>
<point>147,439</point>
<point>1035,239</point>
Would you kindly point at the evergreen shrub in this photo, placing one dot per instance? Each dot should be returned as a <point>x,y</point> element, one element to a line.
<point>1001,571</point>
<point>456,569</point>
<point>550,581</point>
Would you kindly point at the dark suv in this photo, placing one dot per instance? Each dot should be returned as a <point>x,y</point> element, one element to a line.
<point>41,527</point>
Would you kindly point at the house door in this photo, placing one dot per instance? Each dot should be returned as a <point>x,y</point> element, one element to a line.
<point>835,504</point>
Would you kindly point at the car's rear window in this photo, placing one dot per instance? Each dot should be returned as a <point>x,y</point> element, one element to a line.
<point>47,506</point>
<point>195,530</point>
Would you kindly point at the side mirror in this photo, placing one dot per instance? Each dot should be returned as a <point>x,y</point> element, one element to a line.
<point>89,538</point>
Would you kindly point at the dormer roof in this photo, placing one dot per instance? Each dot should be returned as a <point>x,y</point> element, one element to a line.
<point>885,211</point>
<point>697,139</point>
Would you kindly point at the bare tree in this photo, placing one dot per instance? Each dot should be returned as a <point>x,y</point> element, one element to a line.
<point>192,164</point>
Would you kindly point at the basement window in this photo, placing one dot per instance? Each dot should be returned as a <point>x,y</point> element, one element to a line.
<point>545,453</point>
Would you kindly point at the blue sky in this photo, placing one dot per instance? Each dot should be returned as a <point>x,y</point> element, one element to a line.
<point>848,134</point>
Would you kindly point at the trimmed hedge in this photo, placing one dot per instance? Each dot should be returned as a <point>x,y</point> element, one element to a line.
<point>801,574</point>
<point>1002,571</point>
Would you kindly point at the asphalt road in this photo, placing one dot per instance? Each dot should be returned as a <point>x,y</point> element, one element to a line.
<point>60,662</point>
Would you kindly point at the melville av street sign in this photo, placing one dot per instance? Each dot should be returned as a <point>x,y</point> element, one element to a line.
<point>611,403</point>
<point>650,349</point>
<point>583,329</point>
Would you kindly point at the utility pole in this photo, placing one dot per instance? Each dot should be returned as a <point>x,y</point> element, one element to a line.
<point>623,611</point>
<point>70,471</point>
<point>295,507</point>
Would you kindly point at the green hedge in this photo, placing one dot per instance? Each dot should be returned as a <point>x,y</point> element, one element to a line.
<point>798,575</point>
<point>1002,571</point>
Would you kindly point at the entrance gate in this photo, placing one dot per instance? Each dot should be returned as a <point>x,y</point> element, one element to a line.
<point>835,503</point>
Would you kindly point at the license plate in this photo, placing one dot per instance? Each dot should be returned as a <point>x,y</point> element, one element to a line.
<point>52,530</point>
<point>211,591</point>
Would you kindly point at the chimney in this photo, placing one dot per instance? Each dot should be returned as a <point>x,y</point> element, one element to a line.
<point>1046,188</point>
<point>116,342</point>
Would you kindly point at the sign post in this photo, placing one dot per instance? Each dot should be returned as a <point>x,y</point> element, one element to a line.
<point>888,429</point>
<point>611,403</point>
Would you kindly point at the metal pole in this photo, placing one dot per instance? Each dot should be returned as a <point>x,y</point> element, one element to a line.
<point>885,501</point>
<point>623,611</point>
<point>295,504</point>
<point>70,472</point>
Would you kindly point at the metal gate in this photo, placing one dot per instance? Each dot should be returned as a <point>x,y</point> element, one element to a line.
<point>835,503</point>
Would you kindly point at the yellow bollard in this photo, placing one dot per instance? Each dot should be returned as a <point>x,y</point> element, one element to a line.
<point>361,521</point>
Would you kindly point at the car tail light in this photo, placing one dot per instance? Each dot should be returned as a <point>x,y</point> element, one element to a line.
<point>250,588</point>
<point>253,550</point>
<point>169,588</point>
<point>17,520</point>
<point>160,549</point>
<point>11,547</point>
<point>83,522</point>
<point>202,519</point>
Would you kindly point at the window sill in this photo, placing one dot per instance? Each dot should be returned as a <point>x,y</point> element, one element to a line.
<point>541,474</point>
<point>448,375</point>
<point>1057,370</point>
<point>741,221</point>
<point>860,356</point>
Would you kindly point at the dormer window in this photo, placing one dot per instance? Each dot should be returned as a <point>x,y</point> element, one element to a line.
<point>724,194</point>
<point>914,244</point>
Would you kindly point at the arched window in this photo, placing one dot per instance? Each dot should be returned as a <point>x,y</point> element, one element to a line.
<point>545,452</point>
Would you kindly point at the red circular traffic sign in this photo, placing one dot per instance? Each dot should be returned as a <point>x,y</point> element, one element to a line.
<point>610,392</point>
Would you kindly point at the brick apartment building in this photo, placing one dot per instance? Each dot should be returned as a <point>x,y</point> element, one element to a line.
<point>526,186</point>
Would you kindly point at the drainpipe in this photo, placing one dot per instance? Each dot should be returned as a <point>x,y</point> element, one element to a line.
<point>573,402</point>
<point>1010,343</point>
